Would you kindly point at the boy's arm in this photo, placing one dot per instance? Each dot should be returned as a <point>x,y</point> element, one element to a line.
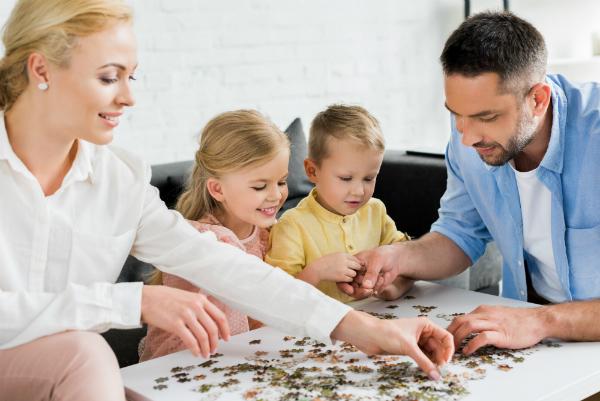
<point>286,247</point>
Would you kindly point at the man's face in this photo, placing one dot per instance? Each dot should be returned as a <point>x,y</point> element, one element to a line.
<point>497,124</point>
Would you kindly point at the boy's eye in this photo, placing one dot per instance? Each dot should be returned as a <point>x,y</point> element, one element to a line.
<point>282,183</point>
<point>259,188</point>
<point>369,179</point>
<point>346,178</point>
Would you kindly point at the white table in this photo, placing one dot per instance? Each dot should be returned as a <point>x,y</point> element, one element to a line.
<point>568,372</point>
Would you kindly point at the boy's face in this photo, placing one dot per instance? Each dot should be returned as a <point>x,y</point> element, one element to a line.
<point>345,179</point>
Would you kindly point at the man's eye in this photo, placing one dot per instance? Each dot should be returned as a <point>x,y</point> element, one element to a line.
<point>488,119</point>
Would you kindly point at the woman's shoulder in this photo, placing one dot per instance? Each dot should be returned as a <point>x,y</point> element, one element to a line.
<point>115,162</point>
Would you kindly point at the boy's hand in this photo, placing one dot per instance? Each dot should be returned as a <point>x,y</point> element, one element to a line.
<point>338,267</point>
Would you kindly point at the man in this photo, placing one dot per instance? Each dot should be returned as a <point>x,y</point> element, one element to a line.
<point>523,170</point>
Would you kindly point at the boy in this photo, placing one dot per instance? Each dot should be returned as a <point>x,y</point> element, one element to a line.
<point>316,240</point>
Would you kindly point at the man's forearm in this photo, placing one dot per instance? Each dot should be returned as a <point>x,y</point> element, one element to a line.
<point>574,321</point>
<point>431,257</point>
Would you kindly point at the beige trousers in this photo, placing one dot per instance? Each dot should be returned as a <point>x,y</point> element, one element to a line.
<point>69,366</point>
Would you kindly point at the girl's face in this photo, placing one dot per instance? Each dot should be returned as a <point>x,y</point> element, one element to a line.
<point>252,196</point>
<point>87,98</point>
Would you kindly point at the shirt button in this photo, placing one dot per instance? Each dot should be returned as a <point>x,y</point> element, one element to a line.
<point>522,293</point>
<point>344,220</point>
<point>350,247</point>
<point>520,263</point>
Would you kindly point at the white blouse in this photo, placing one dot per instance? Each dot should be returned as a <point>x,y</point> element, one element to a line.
<point>61,254</point>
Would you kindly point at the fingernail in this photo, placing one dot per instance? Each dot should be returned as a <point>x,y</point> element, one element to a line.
<point>367,283</point>
<point>434,375</point>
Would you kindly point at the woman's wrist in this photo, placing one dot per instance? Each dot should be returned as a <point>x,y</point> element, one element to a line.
<point>357,328</point>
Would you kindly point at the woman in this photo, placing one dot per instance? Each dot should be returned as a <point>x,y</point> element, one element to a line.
<point>72,209</point>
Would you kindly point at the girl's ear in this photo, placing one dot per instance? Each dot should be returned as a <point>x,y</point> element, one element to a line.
<point>310,167</point>
<point>214,188</point>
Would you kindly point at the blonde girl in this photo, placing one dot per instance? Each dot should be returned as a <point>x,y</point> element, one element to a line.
<point>237,186</point>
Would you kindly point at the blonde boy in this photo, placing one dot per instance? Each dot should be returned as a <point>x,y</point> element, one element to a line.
<point>316,240</point>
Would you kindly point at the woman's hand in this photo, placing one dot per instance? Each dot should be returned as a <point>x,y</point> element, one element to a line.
<point>426,343</point>
<point>189,315</point>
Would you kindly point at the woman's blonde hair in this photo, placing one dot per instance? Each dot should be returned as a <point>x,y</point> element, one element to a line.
<point>50,27</point>
<point>229,142</point>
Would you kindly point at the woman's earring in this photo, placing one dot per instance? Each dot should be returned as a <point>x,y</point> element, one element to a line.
<point>43,86</point>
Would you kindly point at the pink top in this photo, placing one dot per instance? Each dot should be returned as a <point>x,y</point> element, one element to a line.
<point>159,342</point>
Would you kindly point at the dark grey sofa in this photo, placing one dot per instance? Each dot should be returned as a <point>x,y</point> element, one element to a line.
<point>409,185</point>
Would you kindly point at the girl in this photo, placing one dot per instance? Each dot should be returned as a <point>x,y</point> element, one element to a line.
<point>236,188</point>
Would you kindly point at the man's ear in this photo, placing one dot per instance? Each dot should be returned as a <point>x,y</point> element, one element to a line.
<point>541,94</point>
<point>214,188</point>
<point>38,69</point>
<point>310,167</point>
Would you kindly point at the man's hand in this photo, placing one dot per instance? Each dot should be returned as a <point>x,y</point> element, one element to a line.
<point>427,344</point>
<point>500,326</point>
<point>380,264</point>
<point>189,315</point>
<point>399,287</point>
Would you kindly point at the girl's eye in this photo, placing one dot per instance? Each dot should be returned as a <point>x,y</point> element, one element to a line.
<point>259,188</point>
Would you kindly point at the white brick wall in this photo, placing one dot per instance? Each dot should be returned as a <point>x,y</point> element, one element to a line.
<point>286,58</point>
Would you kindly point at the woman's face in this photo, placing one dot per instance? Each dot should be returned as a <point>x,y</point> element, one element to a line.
<point>87,98</point>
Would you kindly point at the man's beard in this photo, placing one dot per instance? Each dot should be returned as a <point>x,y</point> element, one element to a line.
<point>524,134</point>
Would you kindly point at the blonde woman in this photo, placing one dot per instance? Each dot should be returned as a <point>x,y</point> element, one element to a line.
<point>237,186</point>
<point>72,209</point>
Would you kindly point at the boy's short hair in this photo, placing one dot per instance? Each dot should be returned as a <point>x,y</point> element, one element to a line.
<point>343,122</point>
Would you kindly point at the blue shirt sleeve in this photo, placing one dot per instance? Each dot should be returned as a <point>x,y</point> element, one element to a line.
<point>458,217</point>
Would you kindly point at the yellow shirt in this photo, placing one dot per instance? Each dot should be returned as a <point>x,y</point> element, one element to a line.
<point>309,232</point>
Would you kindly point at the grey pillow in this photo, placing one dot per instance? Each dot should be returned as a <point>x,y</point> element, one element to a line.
<point>298,184</point>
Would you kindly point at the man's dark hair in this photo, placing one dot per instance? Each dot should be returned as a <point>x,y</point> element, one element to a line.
<point>498,42</point>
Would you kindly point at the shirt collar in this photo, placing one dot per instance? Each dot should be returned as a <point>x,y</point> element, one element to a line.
<point>553,158</point>
<point>81,169</point>
<point>324,214</point>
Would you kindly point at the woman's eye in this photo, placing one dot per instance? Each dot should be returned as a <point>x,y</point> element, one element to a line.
<point>108,81</point>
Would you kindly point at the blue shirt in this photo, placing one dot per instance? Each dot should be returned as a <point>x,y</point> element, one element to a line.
<point>481,202</point>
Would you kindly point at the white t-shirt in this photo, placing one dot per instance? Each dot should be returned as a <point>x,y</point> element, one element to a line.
<point>60,255</point>
<point>537,235</point>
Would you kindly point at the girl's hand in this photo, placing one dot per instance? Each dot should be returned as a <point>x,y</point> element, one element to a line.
<point>189,315</point>
<point>338,267</point>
